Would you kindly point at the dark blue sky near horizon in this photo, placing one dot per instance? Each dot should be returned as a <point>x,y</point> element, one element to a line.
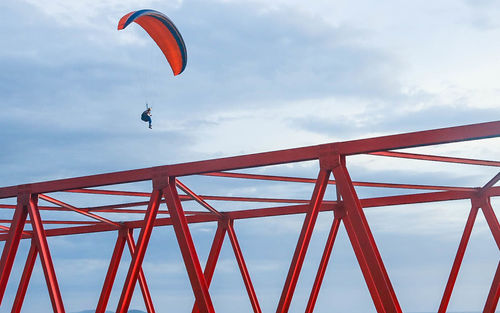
<point>261,76</point>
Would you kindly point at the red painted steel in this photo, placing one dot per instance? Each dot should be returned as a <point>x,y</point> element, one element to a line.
<point>276,211</point>
<point>111,273</point>
<point>491,219</point>
<point>197,198</point>
<point>243,267</point>
<point>25,279</point>
<point>12,242</point>
<point>188,251</point>
<point>213,256</point>
<point>332,182</point>
<point>437,158</point>
<point>491,182</point>
<point>366,251</point>
<point>494,294</point>
<point>142,243</point>
<point>458,259</point>
<point>331,157</point>
<point>142,278</point>
<point>303,242</point>
<point>43,249</point>
<point>80,211</point>
<point>322,265</point>
<point>400,141</point>
<point>420,138</point>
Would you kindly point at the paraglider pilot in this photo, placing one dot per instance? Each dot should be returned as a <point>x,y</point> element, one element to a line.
<point>146,116</point>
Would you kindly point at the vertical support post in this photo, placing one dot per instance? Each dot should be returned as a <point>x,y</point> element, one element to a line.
<point>213,256</point>
<point>188,251</point>
<point>494,294</point>
<point>25,279</point>
<point>142,243</point>
<point>458,258</point>
<point>111,274</point>
<point>43,249</point>
<point>142,278</point>
<point>243,268</point>
<point>491,219</point>
<point>365,248</point>
<point>12,242</point>
<point>304,239</point>
<point>323,264</point>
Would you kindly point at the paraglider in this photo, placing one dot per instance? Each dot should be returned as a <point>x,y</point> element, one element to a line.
<point>166,35</point>
<point>146,116</point>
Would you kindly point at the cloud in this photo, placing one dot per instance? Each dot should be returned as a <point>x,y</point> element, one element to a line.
<point>261,76</point>
<point>407,115</point>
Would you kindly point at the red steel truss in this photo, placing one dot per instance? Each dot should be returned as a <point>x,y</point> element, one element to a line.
<point>347,208</point>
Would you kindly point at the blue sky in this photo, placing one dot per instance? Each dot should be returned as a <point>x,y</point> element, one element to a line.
<point>261,75</point>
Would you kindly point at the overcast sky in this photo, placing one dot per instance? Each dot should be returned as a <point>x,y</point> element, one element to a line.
<point>261,75</point>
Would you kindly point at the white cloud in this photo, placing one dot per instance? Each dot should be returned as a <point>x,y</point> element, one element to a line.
<point>90,12</point>
<point>263,75</point>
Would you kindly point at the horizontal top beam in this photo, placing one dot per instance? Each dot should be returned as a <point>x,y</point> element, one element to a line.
<point>383,143</point>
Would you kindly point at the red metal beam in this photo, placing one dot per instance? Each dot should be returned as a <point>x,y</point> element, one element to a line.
<point>213,256</point>
<point>111,273</point>
<point>243,267</point>
<point>322,265</point>
<point>458,258</point>
<point>25,279</point>
<point>494,294</point>
<point>49,222</point>
<point>332,182</point>
<point>276,211</point>
<point>196,197</point>
<point>189,198</point>
<point>142,243</point>
<point>188,251</point>
<point>370,202</point>
<point>492,182</point>
<point>77,210</point>
<point>12,242</point>
<point>491,219</point>
<point>142,278</point>
<point>415,139</point>
<point>436,158</point>
<point>303,242</point>
<point>40,240</point>
<point>364,246</point>
<point>420,138</point>
<point>6,229</point>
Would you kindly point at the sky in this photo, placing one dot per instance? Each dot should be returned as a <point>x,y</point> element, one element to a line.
<point>261,76</point>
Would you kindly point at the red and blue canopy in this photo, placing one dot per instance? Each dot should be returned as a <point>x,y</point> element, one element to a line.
<point>163,32</point>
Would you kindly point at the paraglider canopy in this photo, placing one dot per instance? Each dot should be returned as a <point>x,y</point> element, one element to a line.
<point>163,32</point>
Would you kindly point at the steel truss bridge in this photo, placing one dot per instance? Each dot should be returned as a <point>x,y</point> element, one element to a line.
<point>166,184</point>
